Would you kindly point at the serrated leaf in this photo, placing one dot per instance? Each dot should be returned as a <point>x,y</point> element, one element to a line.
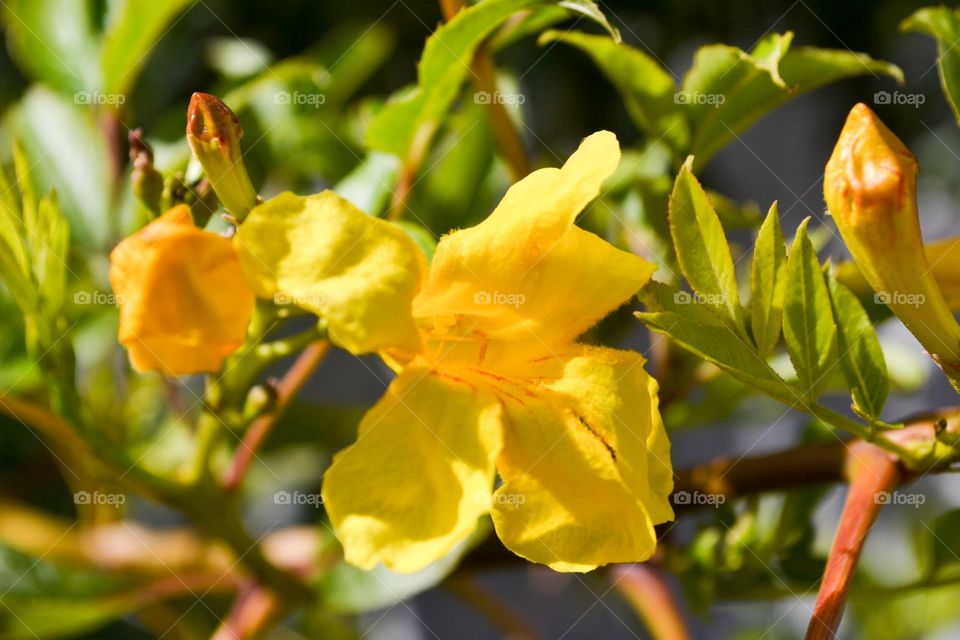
<point>50,252</point>
<point>808,327</point>
<point>648,90</point>
<point>702,248</point>
<point>65,150</point>
<point>943,25</point>
<point>768,281</point>
<point>861,357</point>
<point>132,30</point>
<point>701,331</point>
<point>728,89</point>
<point>414,115</point>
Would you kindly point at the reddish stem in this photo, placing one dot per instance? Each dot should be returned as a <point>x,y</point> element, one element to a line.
<point>872,473</point>
<point>253,612</point>
<point>646,590</point>
<point>287,388</point>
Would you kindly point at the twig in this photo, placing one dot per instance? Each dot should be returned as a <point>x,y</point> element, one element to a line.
<point>253,612</point>
<point>287,388</point>
<point>644,587</point>
<point>502,617</point>
<point>872,471</point>
<point>485,81</point>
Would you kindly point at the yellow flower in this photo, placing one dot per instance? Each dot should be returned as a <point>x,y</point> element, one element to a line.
<point>184,301</point>
<point>497,383</point>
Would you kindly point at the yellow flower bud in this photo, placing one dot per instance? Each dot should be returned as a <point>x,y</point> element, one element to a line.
<point>214,132</point>
<point>184,301</point>
<point>870,185</point>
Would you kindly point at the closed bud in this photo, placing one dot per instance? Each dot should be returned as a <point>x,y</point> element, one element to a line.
<point>870,186</point>
<point>214,132</point>
<point>147,181</point>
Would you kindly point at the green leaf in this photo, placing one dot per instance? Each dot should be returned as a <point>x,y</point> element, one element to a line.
<point>701,331</point>
<point>132,30</point>
<point>648,90</point>
<point>808,326</point>
<point>728,89</point>
<point>943,25</point>
<point>50,254</point>
<point>414,115</point>
<point>370,184</point>
<point>702,248</point>
<point>590,10</point>
<point>14,265</point>
<point>66,151</point>
<point>43,599</point>
<point>944,544</point>
<point>860,354</point>
<point>351,55</point>
<point>54,42</point>
<point>768,281</point>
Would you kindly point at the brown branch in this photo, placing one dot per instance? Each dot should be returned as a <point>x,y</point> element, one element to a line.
<point>801,466</point>
<point>287,388</point>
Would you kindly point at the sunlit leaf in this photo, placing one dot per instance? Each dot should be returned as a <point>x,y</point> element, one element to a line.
<point>702,247</point>
<point>132,30</point>
<point>768,280</point>
<point>860,354</point>
<point>55,42</point>
<point>701,331</point>
<point>943,25</point>
<point>728,89</point>
<point>808,326</point>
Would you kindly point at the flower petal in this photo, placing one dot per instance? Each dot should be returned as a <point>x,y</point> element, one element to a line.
<point>419,475</point>
<point>585,463</point>
<point>184,300</point>
<point>526,273</point>
<point>321,253</point>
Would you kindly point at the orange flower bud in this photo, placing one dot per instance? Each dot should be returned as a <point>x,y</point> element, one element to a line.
<point>214,132</point>
<point>870,185</point>
<point>184,301</point>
